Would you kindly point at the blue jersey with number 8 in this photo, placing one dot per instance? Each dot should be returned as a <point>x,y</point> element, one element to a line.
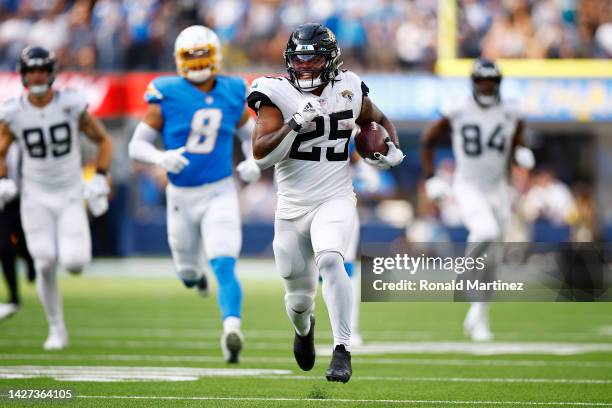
<point>203,122</point>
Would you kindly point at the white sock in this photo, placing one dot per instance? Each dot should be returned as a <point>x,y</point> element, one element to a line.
<point>48,291</point>
<point>231,324</point>
<point>337,293</point>
<point>356,286</point>
<point>299,301</point>
<point>479,309</point>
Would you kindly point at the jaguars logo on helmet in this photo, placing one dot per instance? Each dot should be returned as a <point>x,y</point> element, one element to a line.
<point>312,56</point>
<point>37,58</point>
<point>485,69</point>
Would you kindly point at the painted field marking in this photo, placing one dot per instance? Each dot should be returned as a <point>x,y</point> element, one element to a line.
<point>127,373</point>
<point>355,401</point>
<point>291,360</point>
<point>119,373</point>
<point>387,335</point>
<point>465,347</point>
<point>377,348</point>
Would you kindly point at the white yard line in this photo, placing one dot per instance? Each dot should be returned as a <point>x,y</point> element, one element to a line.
<point>131,373</point>
<point>139,344</point>
<point>373,348</point>
<point>353,401</point>
<point>465,347</point>
<point>454,379</point>
<point>383,335</point>
<point>291,360</point>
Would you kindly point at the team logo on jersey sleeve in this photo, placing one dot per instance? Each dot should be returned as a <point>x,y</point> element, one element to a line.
<point>152,93</point>
<point>347,95</point>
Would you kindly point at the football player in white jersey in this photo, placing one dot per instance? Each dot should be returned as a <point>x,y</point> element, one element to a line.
<point>304,124</point>
<point>485,132</point>
<point>46,123</point>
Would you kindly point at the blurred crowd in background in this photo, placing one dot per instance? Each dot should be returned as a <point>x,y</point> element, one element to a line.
<point>376,34</point>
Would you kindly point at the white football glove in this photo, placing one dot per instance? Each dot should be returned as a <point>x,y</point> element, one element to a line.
<point>96,192</point>
<point>308,109</point>
<point>97,186</point>
<point>524,157</point>
<point>248,171</point>
<point>173,160</point>
<point>98,205</point>
<point>393,158</point>
<point>436,188</point>
<point>8,190</point>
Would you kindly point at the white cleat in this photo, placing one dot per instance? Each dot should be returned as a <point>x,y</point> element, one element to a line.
<point>476,323</point>
<point>481,332</point>
<point>356,339</point>
<point>57,339</point>
<point>8,309</point>
<point>231,345</point>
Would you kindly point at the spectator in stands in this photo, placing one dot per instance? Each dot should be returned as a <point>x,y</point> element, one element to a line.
<point>82,39</point>
<point>376,34</point>
<point>142,50</point>
<point>109,28</point>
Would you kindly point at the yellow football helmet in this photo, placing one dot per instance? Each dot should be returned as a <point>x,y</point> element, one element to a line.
<point>197,52</point>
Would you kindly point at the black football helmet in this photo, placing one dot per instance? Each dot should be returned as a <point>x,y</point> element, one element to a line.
<point>312,56</point>
<point>482,70</point>
<point>37,57</point>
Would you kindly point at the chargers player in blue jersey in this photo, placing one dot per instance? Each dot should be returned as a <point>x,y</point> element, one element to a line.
<point>197,114</point>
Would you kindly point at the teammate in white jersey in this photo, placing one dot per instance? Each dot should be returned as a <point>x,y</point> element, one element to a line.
<point>304,124</point>
<point>484,130</point>
<point>46,124</point>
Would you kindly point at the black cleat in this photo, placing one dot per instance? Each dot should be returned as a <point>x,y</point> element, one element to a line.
<point>304,349</point>
<point>340,367</point>
<point>202,286</point>
<point>231,344</point>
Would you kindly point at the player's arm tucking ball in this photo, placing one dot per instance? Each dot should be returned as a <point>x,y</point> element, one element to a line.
<point>522,154</point>
<point>272,138</point>
<point>142,146</point>
<point>433,134</point>
<point>371,113</point>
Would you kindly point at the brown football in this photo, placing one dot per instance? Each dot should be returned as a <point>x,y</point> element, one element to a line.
<point>371,139</point>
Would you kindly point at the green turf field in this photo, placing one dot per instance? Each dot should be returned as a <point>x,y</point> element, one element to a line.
<point>149,342</point>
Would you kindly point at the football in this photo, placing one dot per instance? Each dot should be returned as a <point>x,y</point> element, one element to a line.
<point>371,139</point>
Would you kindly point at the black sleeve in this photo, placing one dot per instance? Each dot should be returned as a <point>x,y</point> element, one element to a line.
<point>256,99</point>
<point>364,89</point>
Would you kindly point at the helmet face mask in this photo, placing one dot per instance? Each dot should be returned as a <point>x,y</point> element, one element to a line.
<point>486,81</point>
<point>312,56</point>
<point>307,69</point>
<point>197,53</point>
<point>37,59</point>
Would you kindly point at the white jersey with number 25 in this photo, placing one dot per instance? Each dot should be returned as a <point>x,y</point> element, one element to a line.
<point>316,168</point>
